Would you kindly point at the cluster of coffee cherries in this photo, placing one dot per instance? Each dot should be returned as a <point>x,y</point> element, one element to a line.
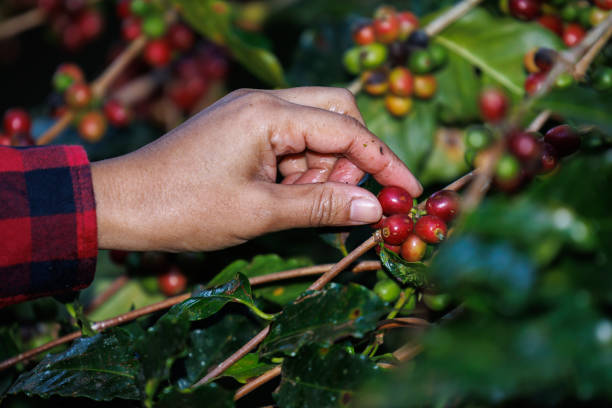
<point>145,17</point>
<point>568,19</point>
<point>407,230</point>
<point>537,62</point>
<point>395,59</point>
<point>72,92</point>
<point>75,22</point>
<point>17,126</point>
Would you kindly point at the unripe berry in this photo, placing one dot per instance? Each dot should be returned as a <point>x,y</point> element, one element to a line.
<point>92,126</point>
<point>477,137</point>
<point>493,104</point>
<point>78,95</point>
<point>444,204</point>
<point>425,86</point>
<point>400,81</point>
<point>421,62</point>
<point>395,200</point>
<point>413,249</point>
<point>430,229</point>
<point>507,168</point>
<point>387,290</point>
<point>398,105</point>
<point>154,25</point>
<point>395,229</point>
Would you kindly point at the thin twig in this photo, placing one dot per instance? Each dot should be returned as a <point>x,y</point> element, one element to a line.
<point>57,128</point>
<point>407,352</point>
<point>455,185</point>
<point>537,123</point>
<point>582,66</point>
<point>257,382</point>
<point>22,22</point>
<point>107,294</point>
<point>402,322</point>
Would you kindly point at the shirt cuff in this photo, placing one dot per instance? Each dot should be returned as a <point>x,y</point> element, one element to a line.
<point>51,240</point>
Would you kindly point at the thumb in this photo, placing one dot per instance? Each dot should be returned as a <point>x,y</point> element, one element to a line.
<point>323,204</point>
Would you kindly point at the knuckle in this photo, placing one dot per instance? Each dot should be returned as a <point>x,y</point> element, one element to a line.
<point>347,96</point>
<point>325,208</point>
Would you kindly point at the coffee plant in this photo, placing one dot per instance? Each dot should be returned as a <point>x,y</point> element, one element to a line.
<point>492,289</point>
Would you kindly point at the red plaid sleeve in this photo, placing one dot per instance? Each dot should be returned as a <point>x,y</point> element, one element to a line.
<point>48,230</point>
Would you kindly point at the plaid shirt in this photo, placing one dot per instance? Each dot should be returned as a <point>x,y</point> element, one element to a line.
<point>48,231</point>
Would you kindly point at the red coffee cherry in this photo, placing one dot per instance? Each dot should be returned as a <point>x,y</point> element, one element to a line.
<point>604,4</point>
<point>573,34</point>
<point>548,157</point>
<point>525,147</point>
<point>387,28</point>
<point>430,229</point>
<point>564,138</point>
<point>392,248</point>
<point>444,204</point>
<point>408,22</point>
<point>525,9</point>
<point>534,82</point>
<point>180,37</point>
<point>78,95</point>
<point>493,104</point>
<point>395,200</point>
<point>131,28</point>
<point>395,229</point>
<point>90,22</point>
<point>413,249</point>
<point>552,22</point>
<point>400,81</point>
<point>157,52</point>
<point>425,86</point>
<point>92,126</point>
<point>116,113</point>
<point>123,8</point>
<point>172,282</point>
<point>363,34</point>
<point>17,121</point>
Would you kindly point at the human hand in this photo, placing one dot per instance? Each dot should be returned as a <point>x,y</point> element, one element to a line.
<point>211,182</point>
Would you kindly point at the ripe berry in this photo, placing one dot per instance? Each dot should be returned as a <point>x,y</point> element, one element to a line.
<point>534,82</point>
<point>525,147</point>
<point>425,86</point>
<point>430,229</point>
<point>477,137</point>
<point>180,37</point>
<point>564,139</point>
<point>123,8</point>
<point>421,62</point>
<point>493,104</point>
<point>400,81</point>
<point>548,157</point>
<point>387,290</point>
<point>172,282</point>
<point>91,23</point>
<point>398,53</point>
<point>552,22</point>
<point>507,168</point>
<point>444,204</point>
<point>78,95</point>
<point>72,37</point>
<point>157,52</point>
<point>573,34</point>
<point>375,82</point>
<point>544,58</point>
<point>131,28</point>
<point>418,39</point>
<point>387,28</point>
<point>413,249</point>
<point>395,229</point>
<point>395,200</point>
<point>393,248</point>
<point>154,25</point>
<point>116,113</point>
<point>16,121</point>
<point>408,22</point>
<point>92,126</point>
<point>525,9</point>
<point>604,4</point>
<point>363,33</point>
<point>398,105</point>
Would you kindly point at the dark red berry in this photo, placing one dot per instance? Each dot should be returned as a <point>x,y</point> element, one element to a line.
<point>116,113</point>
<point>525,146</point>
<point>395,229</point>
<point>413,249</point>
<point>172,282</point>
<point>123,8</point>
<point>387,28</point>
<point>72,37</point>
<point>388,247</point>
<point>78,95</point>
<point>564,138</point>
<point>548,157</point>
<point>5,140</point>
<point>90,22</point>
<point>444,204</point>
<point>49,6</point>
<point>180,37</point>
<point>131,28</point>
<point>604,4</point>
<point>363,34</point>
<point>408,22</point>
<point>92,126</point>
<point>157,52</point>
<point>493,104</point>
<point>16,121</point>
<point>430,229</point>
<point>395,200</point>
<point>573,34</point>
<point>534,82</point>
<point>552,22</point>
<point>525,9</point>
<point>544,58</point>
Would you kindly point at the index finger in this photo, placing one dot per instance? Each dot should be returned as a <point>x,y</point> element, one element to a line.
<point>297,127</point>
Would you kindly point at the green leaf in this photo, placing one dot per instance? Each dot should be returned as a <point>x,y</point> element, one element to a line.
<point>247,367</point>
<point>8,348</point>
<point>322,317</point>
<point>409,273</point>
<point>213,20</point>
<point>496,45</point>
<point>263,265</point>
<point>447,159</point>
<point>101,367</point>
<point>208,395</point>
<point>211,345</point>
<point>207,302</point>
<point>580,105</point>
<point>131,295</point>
<point>323,377</point>
<point>410,137</point>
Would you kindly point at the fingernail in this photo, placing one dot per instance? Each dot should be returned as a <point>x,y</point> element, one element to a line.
<point>365,210</point>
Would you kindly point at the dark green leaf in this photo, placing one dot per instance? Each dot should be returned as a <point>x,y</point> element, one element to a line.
<point>580,105</point>
<point>496,45</point>
<point>247,367</point>
<point>211,20</point>
<point>101,367</point>
<point>208,395</point>
<point>8,348</point>
<point>410,273</point>
<point>323,377</point>
<point>323,316</point>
